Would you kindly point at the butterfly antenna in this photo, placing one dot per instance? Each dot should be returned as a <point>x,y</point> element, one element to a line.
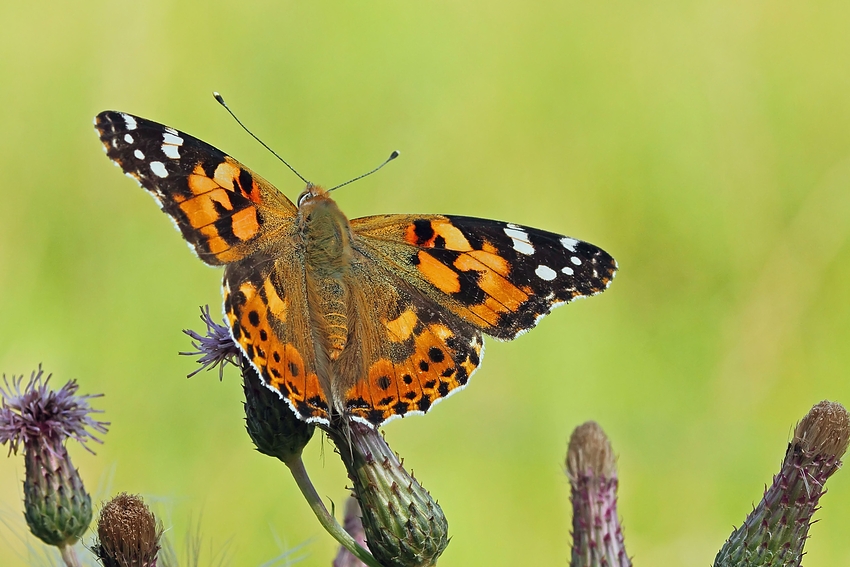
<point>220,100</point>
<point>393,155</point>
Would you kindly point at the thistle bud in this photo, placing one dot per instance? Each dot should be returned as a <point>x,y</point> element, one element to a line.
<point>56,505</point>
<point>776,530</point>
<point>272,425</point>
<point>404,526</point>
<point>128,533</point>
<point>592,470</point>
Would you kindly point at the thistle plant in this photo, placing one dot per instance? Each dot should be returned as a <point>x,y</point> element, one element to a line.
<point>774,533</point>
<point>592,469</point>
<point>34,416</point>
<point>403,525</point>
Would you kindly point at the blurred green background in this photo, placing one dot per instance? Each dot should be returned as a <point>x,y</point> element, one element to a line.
<point>705,144</point>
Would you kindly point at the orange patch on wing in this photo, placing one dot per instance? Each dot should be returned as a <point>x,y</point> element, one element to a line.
<point>382,383</point>
<point>491,260</point>
<point>502,290</point>
<point>401,327</point>
<point>201,211</point>
<point>244,223</point>
<point>455,240</point>
<point>492,282</point>
<point>486,312</point>
<point>199,183</point>
<point>252,193</point>
<point>225,173</point>
<point>215,243</point>
<point>277,306</point>
<point>489,248</point>
<point>441,276</point>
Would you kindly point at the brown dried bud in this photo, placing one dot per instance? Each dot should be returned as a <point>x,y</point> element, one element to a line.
<point>128,533</point>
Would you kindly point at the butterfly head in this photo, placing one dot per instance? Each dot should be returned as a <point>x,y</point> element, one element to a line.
<point>311,193</point>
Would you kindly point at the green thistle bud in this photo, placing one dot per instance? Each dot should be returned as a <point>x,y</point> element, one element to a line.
<point>404,526</point>
<point>128,533</point>
<point>56,505</point>
<point>774,533</point>
<point>592,470</point>
<point>272,425</point>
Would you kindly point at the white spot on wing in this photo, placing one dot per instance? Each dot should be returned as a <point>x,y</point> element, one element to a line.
<point>170,138</point>
<point>575,260</point>
<point>128,138</point>
<point>569,243</point>
<point>170,151</point>
<point>129,121</point>
<point>545,273</point>
<point>520,240</point>
<point>171,130</point>
<point>569,271</point>
<point>139,154</point>
<point>158,169</point>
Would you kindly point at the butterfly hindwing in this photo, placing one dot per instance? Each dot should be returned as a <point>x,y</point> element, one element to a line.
<point>266,306</point>
<point>218,204</point>
<point>413,352</point>
<point>500,277</point>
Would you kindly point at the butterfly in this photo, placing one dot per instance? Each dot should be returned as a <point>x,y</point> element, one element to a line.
<point>371,318</point>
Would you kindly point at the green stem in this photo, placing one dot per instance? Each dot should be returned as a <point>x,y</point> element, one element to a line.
<point>296,467</point>
<point>69,556</point>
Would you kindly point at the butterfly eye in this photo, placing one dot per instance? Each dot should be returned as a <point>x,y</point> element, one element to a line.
<point>302,197</point>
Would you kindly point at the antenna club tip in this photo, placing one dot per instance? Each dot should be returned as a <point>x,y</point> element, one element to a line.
<point>395,154</point>
<point>218,97</point>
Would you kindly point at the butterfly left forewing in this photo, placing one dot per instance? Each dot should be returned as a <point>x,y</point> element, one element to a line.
<point>500,277</point>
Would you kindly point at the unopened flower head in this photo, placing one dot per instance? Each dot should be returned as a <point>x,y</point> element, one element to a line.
<point>778,527</point>
<point>404,525</point>
<point>35,413</point>
<point>592,469</point>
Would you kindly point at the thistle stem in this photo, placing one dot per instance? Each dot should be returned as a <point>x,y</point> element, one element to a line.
<point>299,473</point>
<point>69,555</point>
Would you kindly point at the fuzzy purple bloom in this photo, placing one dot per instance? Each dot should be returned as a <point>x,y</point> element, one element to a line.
<point>38,414</point>
<point>216,348</point>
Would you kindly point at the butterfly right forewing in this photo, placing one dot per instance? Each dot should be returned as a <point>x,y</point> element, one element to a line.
<point>500,277</point>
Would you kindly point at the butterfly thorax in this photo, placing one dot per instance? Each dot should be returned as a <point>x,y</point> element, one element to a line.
<point>327,238</point>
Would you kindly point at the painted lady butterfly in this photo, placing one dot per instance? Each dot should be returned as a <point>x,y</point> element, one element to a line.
<point>372,318</point>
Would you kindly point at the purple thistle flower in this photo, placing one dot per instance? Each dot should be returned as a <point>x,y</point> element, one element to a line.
<point>216,348</point>
<point>38,414</point>
<point>57,507</point>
